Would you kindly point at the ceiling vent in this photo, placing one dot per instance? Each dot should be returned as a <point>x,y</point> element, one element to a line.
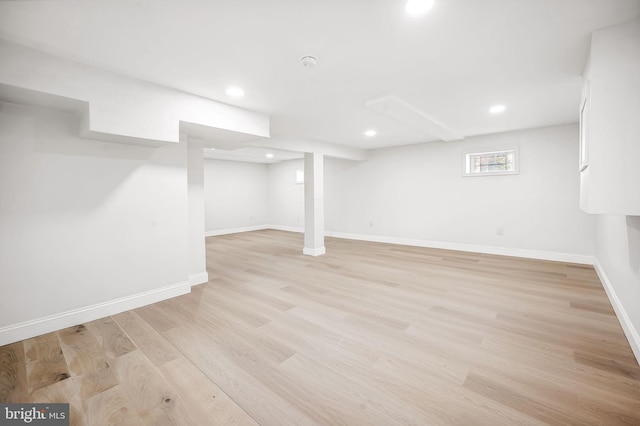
<point>411,116</point>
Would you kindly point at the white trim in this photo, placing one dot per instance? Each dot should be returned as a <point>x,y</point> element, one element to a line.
<point>314,251</point>
<point>466,165</point>
<point>285,228</point>
<point>474,248</point>
<point>582,259</point>
<point>201,278</point>
<point>627,326</point>
<point>28,329</point>
<point>235,230</point>
<point>585,109</point>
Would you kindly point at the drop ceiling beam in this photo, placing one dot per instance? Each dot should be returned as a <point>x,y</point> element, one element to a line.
<point>305,145</point>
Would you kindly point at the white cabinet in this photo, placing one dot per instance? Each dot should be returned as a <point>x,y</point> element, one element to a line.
<point>610,123</point>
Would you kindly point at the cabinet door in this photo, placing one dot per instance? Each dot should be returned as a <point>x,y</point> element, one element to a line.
<point>610,123</point>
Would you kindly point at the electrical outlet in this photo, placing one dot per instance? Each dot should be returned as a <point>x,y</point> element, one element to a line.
<point>500,231</point>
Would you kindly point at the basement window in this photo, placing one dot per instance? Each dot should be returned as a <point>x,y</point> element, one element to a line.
<point>491,163</point>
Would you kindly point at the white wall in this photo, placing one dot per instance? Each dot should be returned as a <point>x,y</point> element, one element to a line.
<point>236,195</point>
<point>610,182</point>
<point>618,263</point>
<point>195,182</point>
<point>286,198</point>
<point>84,222</point>
<point>418,192</point>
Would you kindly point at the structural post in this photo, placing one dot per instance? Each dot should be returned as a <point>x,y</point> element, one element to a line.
<point>313,204</point>
<point>195,194</point>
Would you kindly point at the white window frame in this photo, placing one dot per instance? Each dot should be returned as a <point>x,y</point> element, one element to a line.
<point>466,162</point>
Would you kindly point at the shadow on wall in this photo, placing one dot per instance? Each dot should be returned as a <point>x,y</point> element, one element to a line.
<point>58,169</point>
<point>57,132</point>
<point>633,235</point>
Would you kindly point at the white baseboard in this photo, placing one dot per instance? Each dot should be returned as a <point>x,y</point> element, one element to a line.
<point>627,326</point>
<point>286,228</point>
<point>28,329</point>
<point>235,230</point>
<point>474,248</point>
<point>314,251</point>
<point>201,278</point>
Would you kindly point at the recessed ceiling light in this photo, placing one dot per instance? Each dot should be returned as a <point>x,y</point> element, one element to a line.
<point>269,155</point>
<point>370,133</point>
<point>235,91</point>
<point>418,7</point>
<point>497,109</point>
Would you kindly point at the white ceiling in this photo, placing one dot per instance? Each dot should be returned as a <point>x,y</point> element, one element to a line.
<point>451,64</point>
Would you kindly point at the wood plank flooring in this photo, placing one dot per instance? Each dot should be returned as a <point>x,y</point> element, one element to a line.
<point>367,334</point>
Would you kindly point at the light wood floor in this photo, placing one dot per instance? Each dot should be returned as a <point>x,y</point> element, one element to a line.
<point>367,334</point>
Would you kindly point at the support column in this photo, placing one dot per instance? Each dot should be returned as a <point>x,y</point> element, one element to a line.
<point>313,204</point>
<point>195,190</point>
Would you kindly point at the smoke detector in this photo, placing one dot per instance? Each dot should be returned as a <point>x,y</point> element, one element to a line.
<point>308,61</point>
